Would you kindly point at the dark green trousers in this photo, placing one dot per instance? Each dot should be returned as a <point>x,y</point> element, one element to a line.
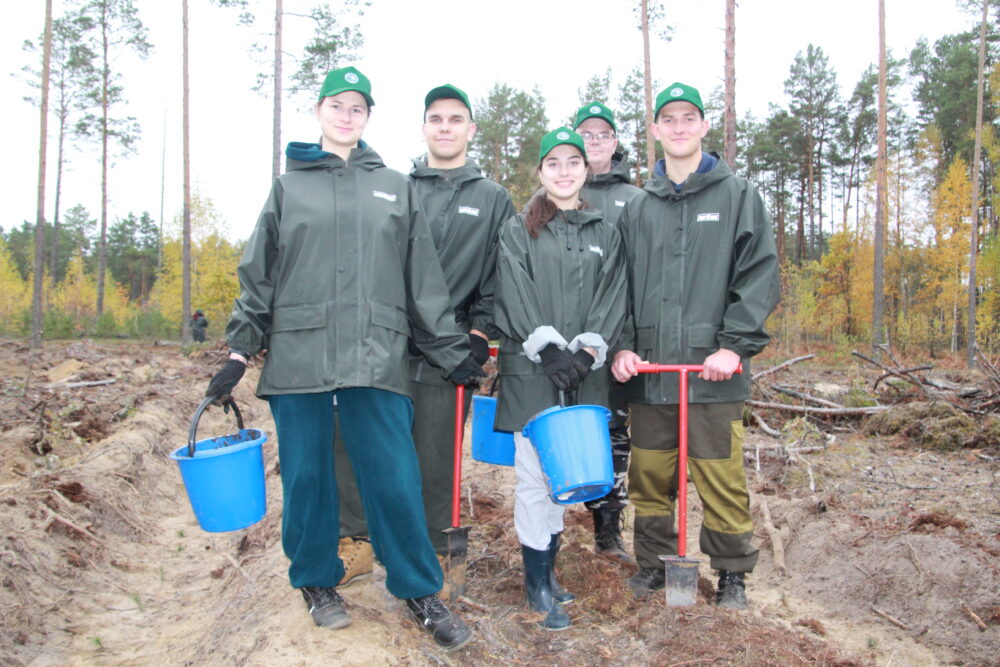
<point>715,460</point>
<point>434,438</point>
<point>375,425</point>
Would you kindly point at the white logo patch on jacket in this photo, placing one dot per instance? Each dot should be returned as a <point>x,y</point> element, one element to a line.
<point>708,217</point>
<point>597,249</point>
<point>469,210</point>
<point>384,195</point>
<point>619,202</point>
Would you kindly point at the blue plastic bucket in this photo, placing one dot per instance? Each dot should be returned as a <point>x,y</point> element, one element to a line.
<point>489,446</point>
<point>574,448</point>
<point>224,476</point>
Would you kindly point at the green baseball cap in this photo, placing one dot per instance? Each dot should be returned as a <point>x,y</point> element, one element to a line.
<point>595,110</point>
<point>344,79</point>
<point>678,92</point>
<point>558,136</point>
<point>447,92</point>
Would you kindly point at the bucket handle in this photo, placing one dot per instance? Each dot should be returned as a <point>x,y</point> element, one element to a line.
<point>567,398</point>
<point>192,432</point>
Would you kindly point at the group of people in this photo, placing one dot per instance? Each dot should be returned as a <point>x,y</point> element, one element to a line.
<point>375,294</point>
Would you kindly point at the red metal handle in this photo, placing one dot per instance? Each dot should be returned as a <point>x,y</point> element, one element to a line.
<point>459,433</point>
<point>682,371</point>
<point>676,368</point>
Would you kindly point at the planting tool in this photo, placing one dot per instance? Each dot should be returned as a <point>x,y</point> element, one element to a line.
<point>458,535</point>
<point>681,571</point>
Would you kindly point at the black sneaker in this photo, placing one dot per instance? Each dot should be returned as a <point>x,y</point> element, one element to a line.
<point>732,592</point>
<point>646,580</point>
<point>327,608</point>
<point>448,630</point>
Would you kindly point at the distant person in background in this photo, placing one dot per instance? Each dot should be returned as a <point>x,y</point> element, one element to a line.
<point>609,187</point>
<point>560,303</point>
<point>338,275</point>
<point>199,324</point>
<point>704,277</point>
<point>464,211</point>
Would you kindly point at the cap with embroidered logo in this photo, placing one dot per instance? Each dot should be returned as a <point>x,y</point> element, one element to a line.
<point>344,79</point>
<point>558,136</point>
<point>595,110</point>
<point>447,92</point>
<point>678,92</point>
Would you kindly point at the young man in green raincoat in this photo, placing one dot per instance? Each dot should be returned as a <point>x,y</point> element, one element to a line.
<point>704,277</point>
<point>464,211</point>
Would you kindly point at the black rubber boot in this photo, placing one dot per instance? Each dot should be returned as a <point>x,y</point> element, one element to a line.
<point>538,589</point>
<point>608,534</point>
<point>732,592</point>
<point>559,594</point>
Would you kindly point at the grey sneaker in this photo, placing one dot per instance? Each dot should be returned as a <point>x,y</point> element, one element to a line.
<point>448,630</point>
<point>327,608</point>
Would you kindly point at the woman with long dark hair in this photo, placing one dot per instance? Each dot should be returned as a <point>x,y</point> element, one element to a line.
<point>560,302</point>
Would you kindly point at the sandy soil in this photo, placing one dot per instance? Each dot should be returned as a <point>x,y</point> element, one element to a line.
<point>891,553</point>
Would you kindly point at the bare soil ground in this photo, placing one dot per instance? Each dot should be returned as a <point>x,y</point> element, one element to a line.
<point>891,549</point>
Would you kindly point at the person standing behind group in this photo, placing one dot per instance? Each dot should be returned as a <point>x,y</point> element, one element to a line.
<point>199,325</point>
<point>339,272</point>
<point>704,277</point>
<point>560,303</point>
<point>464,211</point>
<point>608,188</point>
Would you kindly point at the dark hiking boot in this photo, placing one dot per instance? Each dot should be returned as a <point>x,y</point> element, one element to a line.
<point>608,534</point>
<point>646,580</point>
<point>447,629</point>
<point>559,594</point>
<point>732,592</point>
<point>538,589</point>
<point>327,608</point>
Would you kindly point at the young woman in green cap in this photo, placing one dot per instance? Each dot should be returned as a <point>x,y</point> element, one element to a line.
<point>340,271</point>
<point>560,303</point>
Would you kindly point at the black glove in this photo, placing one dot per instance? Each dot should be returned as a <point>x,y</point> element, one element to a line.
<point>480,348</point>
<point>468,373</point>
<point>583,360</point>
<point>222,383</point>
<point>560,367</point>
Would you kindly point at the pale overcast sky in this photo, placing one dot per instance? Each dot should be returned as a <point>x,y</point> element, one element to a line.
<point>410,47</point>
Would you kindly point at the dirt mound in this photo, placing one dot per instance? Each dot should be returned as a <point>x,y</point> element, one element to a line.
<point>890,554</point>
<point>936,425</point>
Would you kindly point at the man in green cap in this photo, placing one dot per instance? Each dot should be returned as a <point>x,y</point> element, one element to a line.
<point>464,210</point>
<point>608,188</point>
<point>338,275</point>
<point>704,274</point>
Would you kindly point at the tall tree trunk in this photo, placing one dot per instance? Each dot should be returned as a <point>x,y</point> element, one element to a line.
<point>779,230</point>
<point>800,232</point>
<point>970,333</point>
<point>810,189</point>
<point>54,241</point>
<point>276,126</point>
<point>102,263</point>
<point>186,147</point>
<point>38,284</point>
<point>647,80</point>
<point>729,116</point>
<point>878,305</point>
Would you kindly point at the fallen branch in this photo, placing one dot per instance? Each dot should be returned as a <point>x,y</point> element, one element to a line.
<point>784,364</point>
<point>74,385</point>
<point>777,548</point>
<point>72,526</point>
<point>764,426</point>
<point>925,367</point>
<point>974,616</point>
<point>238,567</point>
<point>472,605</point>
<point>804,409</point>
<point>806,397</point>
<point>895,621</point>
<point>901,373</point>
